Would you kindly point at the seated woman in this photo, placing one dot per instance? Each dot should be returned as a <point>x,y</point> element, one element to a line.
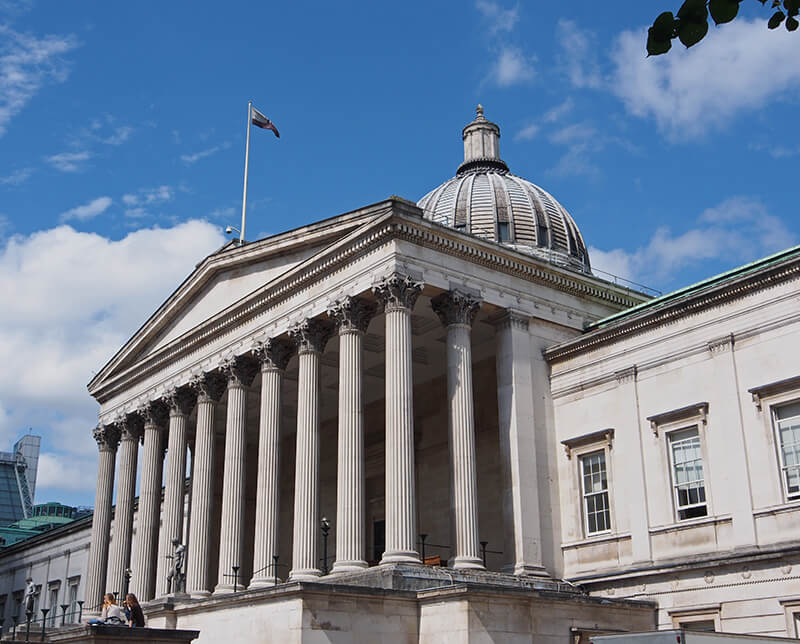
<point>136,618</point>
<point>110,613</point>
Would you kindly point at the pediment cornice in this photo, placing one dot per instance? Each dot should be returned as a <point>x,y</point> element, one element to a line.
<point>393,220</point>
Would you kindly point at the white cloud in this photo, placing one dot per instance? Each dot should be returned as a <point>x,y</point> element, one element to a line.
<point>498,18</point>
<point>138,201</point>
<point>512,67</point>
<point>553,115</point>
<point>527,133</point>
<point>194,158</point>
<point>71,299</point>
<point>577,56</point>
<point>17,177</point>
<point>738,230</point>
<point>28,62</point>
<point>688,92</point>
<point>87,211</point>
<point>118,136</point>
<point>69,161</point>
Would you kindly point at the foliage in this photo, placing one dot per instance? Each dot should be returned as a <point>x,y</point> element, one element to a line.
<point>690,24</point>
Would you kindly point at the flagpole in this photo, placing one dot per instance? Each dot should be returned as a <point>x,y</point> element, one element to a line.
<point>246,162</point>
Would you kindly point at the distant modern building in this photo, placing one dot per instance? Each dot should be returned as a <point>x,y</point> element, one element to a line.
<point>46,516</point>
<point>446,381</point>
<point>18,480</point>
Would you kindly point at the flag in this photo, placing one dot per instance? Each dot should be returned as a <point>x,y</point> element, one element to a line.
<point>263,122</point>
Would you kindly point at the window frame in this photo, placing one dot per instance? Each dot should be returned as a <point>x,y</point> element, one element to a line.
<point>773,417</point>
<point>575,450</point>
<point>678,508</point>
<point>585,495</point>
<point>683,616</point>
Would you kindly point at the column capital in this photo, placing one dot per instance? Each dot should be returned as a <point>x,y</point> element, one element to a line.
<point>274,353</point>
<point>107,437</point>
<point>352,314</point>
<point>130,427</point>
<point>511,318</point>
<point>208,386</point>
<point>240,371</point>
<point>154,413</point>
<point>180,401</point>
<point>311,335</point>
<point>456,307</point>
<point>397,291</point>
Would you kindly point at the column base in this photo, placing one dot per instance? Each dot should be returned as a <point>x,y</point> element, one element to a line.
<point>467,563</point>
<point>262,582</point>
<point>527,570</point>
<point>401,556</point>
<point>349,566</point>
<point>305,574</point>
<point>225,589</point>
<point>199,594</point>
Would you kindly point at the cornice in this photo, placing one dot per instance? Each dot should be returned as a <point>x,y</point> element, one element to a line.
<point>692,304</point>
<point>402,222</point>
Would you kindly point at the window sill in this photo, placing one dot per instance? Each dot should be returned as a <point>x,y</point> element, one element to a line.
<point>691,523</point>
<point>790,506</point>
<point>605,537</point>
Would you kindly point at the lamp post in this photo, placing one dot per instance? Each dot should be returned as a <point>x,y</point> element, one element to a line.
<point>64,608</point>
<point>235,577</point>
<point>422,538</point>
<point>44,621</point>
<point>14,630</point>
<point>326,528</point>
<point>275,568</point>
<point>483,551</point>
<point>127,582</point>
<point>80,610</point>
<point>29,617</point>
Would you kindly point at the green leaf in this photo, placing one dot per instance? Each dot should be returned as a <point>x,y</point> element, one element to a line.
<point>776,20</point>
<point>723,11</point>
<point>663,26</point>
<point>791,24</point>
<point>692,33</point>
<point>655,46</point>
<point>693,11</point>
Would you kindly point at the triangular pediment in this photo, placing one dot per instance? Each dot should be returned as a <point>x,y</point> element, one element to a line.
<point>228,276</point>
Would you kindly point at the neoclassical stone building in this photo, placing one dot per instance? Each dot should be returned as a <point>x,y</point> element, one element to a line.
<point>448,382</point>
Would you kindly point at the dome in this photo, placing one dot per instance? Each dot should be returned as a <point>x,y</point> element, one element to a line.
<point>486,200</point>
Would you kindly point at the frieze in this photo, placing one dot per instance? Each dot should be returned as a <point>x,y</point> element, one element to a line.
<point>455,307</point>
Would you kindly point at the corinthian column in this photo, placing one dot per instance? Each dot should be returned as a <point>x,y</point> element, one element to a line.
<point>457,312</point>
<point>180,403</point>
<point>274,356</point>
<point>144,568</point>
<point>310,338</point>
<point>398,295</point>
<point>240,372</point>
<point>352,317</point>
<point>107,437</point>
<point>209,388</point>
<point>131,432</point>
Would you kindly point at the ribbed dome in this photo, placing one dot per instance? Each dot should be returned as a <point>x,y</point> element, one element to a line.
<point>486,200</point>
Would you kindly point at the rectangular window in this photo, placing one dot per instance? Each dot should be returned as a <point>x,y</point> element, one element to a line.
<point>787,423</point>
<point>53,605</point>
<point>503,233</point>
<point>594,487</point>
<point>73,602</point>
<point>687,474</point>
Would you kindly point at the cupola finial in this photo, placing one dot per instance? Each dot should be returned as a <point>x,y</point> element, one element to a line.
<point>479,113</point>
<point>481,142</point>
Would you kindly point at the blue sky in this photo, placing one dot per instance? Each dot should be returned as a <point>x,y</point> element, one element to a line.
<point>122,141</point>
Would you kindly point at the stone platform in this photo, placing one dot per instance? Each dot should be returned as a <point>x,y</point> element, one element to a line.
<point>403,604</point>
<point>82,634</point>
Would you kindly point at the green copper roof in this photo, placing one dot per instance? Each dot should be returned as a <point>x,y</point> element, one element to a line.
<point>699,286</point>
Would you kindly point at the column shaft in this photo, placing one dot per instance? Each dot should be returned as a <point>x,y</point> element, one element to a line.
<point>268,490</point>
<point>350,504</point>
<point>306,485</point>
<point>463,470</point>
<point>174,486</point>
<point>107,439</point>
<point>233,487</point>
<point>123,514</point>
<point>144,571</point>
<point>209,388</point>
<point>401,515</point>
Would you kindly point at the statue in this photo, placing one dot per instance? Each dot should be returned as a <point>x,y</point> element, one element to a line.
<point>30,596</point>
<point>176,579</point>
